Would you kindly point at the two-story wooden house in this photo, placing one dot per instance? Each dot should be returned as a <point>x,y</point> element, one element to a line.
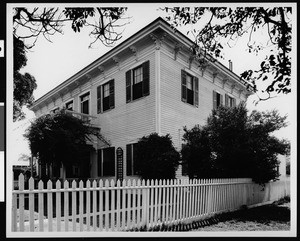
<point>149,83</point>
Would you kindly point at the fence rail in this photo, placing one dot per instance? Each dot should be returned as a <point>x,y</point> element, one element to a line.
<point>132,205</point>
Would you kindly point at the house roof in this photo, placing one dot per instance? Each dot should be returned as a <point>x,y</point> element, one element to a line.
<point>158,23</point>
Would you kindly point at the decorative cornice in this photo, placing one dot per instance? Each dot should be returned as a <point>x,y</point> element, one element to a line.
<point>177,48</point>
<point>215,74</point>
<point>224,82</point>
<point>232,88</point>
<point>134,51</point>
<point>190,60</point>
<point>158,40</point>
<point>240,92</point>
<point>117,61</point>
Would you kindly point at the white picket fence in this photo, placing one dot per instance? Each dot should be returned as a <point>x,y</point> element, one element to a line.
<point>131,205</point>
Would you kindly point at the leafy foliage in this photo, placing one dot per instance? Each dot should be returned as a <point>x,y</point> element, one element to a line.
<point>60,138</point>
<point>234,144</point>
<point>24,84</point>
<point>230,24</point>
<point>157,157</point>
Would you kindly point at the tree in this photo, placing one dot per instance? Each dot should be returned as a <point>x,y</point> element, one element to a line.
<point>60,138</point>
<point>234,144</point>
<point>24,84</point>
<point>230,24</point>
<point>157,157</point>
<point>29,24</point>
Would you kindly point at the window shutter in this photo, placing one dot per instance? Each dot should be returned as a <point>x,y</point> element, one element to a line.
<point>226,100</point>
<point>99,99</point>
<point>146,78</point>
<point>234,102</point>
<point>112,94</point>
<point>99,162</point>
<point>183,86</point>
<point>214,100</point>
<point>128,86</point>
<point>128,160</point>
<point>196,88</point>
<point>221,99</point>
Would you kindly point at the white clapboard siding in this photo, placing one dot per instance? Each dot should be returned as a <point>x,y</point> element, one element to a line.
<point>131,205</point>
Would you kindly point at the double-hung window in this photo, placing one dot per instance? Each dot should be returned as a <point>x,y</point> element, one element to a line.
<point>106,96</point>
<point>137,82</point>
<point>84,103</point>
<point>189,88</point>
<point>131,159</point>
<point>106,162</point>
<point>217,99</point>
<point>69,105</point>
<point>230,101</point>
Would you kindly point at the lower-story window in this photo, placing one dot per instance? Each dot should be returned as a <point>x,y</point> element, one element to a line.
<point>131,159</point>
<point>106,162</point>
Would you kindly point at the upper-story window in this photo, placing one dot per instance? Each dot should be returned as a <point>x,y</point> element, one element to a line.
<point>217,99</point>
<point>106,96</point>
<point>55,110</point>
<point>137,82</point>
<point>230,101</point>
<point>69,105</point>
<point>84,103</point>
<point>189,88</point>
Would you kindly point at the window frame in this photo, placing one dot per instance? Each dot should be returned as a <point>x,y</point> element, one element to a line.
<point>185,91</point>
<point>100,160</point>
<point>215,99</point>
<point>130,169</point>
<point>144,84</point>
<point>68,102</point>
<point>88,92</point>
<point>111,96</point>
<point>230,101</point>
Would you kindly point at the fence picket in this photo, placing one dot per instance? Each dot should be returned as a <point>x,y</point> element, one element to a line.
<point>118,206</point>
<point>81,206</point>
<point>134,208</point>
<point>88,205</point>
<point>134,204</point>
<point>139,195</point>
<point>106,212</point>
<point>128,207</point>
<point>151,191</point>
<point>66,205</point>
<point>74,205</point>
<point>58,206</point>
<point>21,202</point>
<point>101,206</point>
<point>123,204</point>
<point>159,201</point>
<point>31,205</point>
<point>94,206</point>
<point>112,206</point>
<point>50,205</point>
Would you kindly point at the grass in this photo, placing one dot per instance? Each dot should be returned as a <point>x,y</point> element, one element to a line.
<point>273,217</point>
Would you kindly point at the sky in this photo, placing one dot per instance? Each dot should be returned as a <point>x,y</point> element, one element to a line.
<point>53,63</point>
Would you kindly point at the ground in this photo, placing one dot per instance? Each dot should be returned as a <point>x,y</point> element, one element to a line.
<point>273,217</point>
